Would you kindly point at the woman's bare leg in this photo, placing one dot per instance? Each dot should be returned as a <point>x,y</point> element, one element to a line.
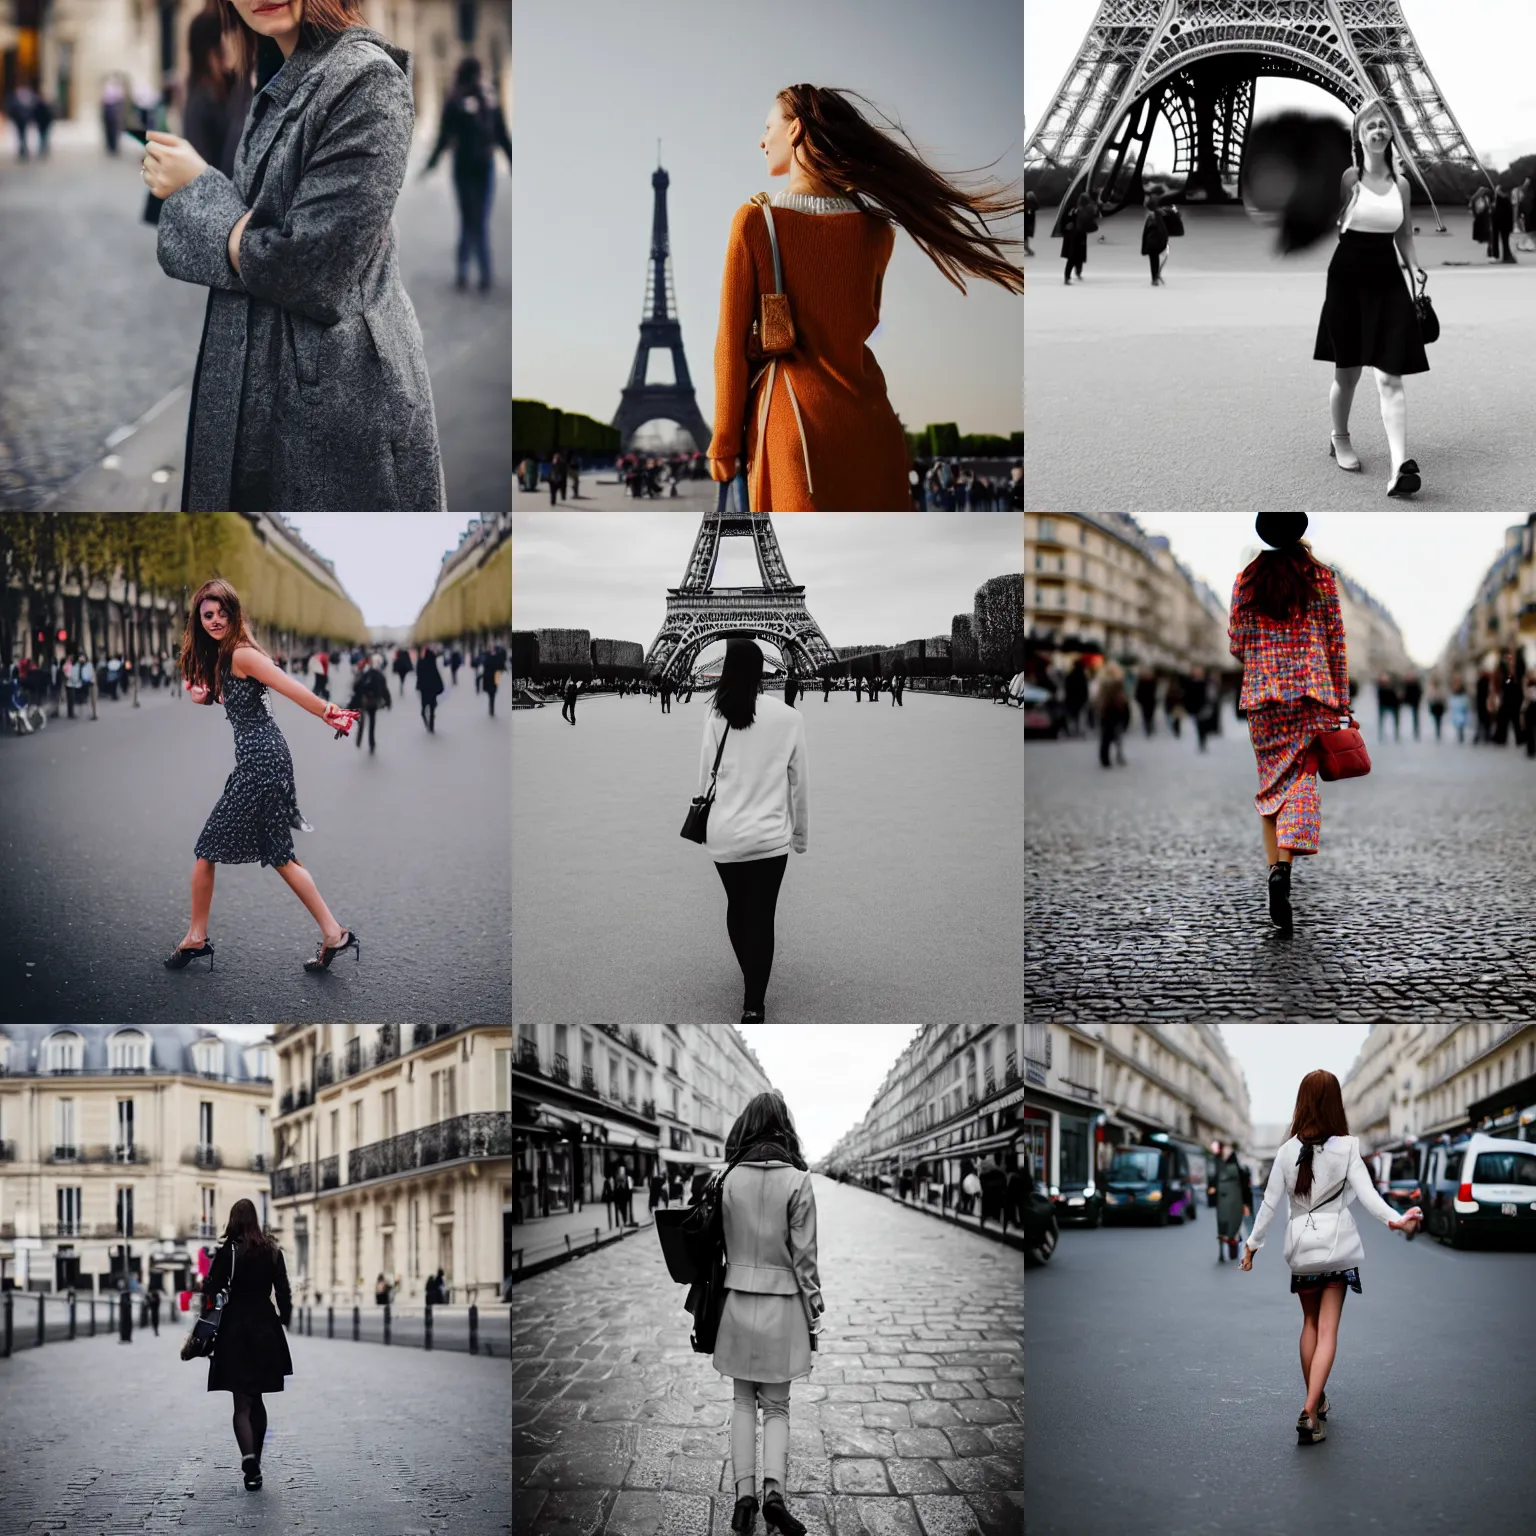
<point>302,884</point>
<point>1273,852</point>
<point>1328,1312</point>
<point>202,900</point>
<point>1309,1305</point>
<point>1394,415</point>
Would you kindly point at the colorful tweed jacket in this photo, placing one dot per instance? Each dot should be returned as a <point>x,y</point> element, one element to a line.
<point>1304,659</point>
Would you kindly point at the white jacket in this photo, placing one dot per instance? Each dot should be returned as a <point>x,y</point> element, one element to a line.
<point>762,796</point>
<point>1320,1232</point>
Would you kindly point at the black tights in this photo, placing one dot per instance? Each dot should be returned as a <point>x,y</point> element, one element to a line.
<point>250,1423</point>
<point>752,894</point>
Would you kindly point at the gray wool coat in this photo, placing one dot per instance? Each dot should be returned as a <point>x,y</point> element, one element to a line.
<point>311,391</point>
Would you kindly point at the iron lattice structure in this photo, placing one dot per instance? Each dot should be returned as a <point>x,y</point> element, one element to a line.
<point>660,330</point>
<point>699,613</point>
<point>1194,63</point>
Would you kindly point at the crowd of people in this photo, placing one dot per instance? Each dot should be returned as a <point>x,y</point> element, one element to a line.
<point>988,1191</point>
<point>947,485</point>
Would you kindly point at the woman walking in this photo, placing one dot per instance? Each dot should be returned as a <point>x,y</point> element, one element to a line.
<point>256,815</point>
<point>473,123</point>
<point>1287,631</point>
<point>1368,317</point>
<point>429,684</point>
<point>754,751</point>
<point>1112,704</point>
<point>311,388</point>
<point>773,1299</point>
<point>820,434</point>
<point>1320,1171</point>
<point>250,1355</point>
<point>1154,237</point>
<point>1234,1201</point>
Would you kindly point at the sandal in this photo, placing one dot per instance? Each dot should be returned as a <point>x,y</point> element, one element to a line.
<point>1322,1407</point>
<point>1309,1431</point>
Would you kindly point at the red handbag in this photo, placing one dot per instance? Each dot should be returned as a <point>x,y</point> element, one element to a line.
<point>1340,753</point>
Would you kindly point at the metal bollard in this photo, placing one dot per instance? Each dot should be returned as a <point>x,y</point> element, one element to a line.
<point>39,1317</point>
<point>71,1314</point>
<point>474,1329</point>
<point>330,1322</point>
<point>427,1336</point>
<point>357,1325</point>
<point>386,1322</point>
<point>7,1325</point>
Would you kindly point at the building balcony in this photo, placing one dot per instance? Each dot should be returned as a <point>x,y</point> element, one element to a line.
<point>139,1071</point>
<point>258,1162</point>
<point>285,1104</point>
<point>387,1046</point>
<point>421,1034</point>
<point>330,1172</point>
<point>66,1152</point>
<point>648,1109</point>
<point>325,1071</point>
<point>588,1081</point>
<point>352,1062</point>
<point>528,1055</point>
<point>611,1030</point>
<point>487,1133</point>
<point>287,1182</point>
<point>303,1098</point>
<point>990,1083</point>
<point>202,1155</point>
<point>1011,1071</point>
<point>560,1071</point>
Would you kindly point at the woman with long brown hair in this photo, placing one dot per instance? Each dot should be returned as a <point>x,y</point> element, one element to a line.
<point>822,436</point>
<point>250,1355</point>
<point>1319,1169</point>
<point>255,816</point>
<point>1287,631</point>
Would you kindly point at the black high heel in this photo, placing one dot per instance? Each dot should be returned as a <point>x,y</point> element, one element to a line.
<point>252,1470</point>
<point>325,953</point>
<point>744,1518</point>
<point>184,957</point>
<point>1280,896</point>
<point>776,1515</point>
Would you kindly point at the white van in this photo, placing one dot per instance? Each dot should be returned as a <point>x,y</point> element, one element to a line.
<point>1483,1186</point>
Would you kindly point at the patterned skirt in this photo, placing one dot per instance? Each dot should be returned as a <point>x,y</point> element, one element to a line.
<point>1281,735</point>
<point>1350,1277</point>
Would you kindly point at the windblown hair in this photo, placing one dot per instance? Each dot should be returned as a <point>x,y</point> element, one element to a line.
<point>322,19</point>
<point>766,1118</point>
<point>881,177</point>
<point>244,1228</point>
<point>741,677</point>
<point>1357,149</point>
<point>201,660</point>
<point>1319,1114</point>
<point>1279,583</point>
<point>205,58</point>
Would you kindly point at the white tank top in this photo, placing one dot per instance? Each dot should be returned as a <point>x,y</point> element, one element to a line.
<point>1375,213</point>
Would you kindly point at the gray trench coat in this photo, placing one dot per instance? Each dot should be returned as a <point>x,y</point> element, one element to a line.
<point>311,391</point>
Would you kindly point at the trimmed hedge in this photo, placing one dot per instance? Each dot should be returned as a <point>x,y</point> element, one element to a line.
<point>525,652</point>
<point>564,653</point>
<point>999,623</point>
<point>962,645</point>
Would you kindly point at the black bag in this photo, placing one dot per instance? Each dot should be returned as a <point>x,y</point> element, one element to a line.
<point>205,1331</point>
<point>696,823</point>
<point>1423,307</point>
<point>1173,220</point>
<point>695,1244</point>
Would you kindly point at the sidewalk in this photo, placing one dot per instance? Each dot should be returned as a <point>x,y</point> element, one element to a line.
<point>543,1241</point>
<point>970,1223</point>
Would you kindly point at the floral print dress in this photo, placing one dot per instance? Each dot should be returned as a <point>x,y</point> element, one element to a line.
<point>258,810</point>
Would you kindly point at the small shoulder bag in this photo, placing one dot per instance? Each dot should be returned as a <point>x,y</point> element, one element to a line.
<point>696,823</point>
<point>773,331</point>
<point>1340,753</point>
<point>205,1331</point>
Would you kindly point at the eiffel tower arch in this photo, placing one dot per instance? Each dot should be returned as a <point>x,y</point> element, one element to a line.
<point>1195,63</point>
<point>700,613</point>
<point>660,330</point>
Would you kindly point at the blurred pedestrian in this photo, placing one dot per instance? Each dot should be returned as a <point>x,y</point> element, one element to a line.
<point>906,1184</point>
<point>1016,1196</point>
<point>826,687</point>
<point>658,1191</point>
<point>124,1313</point>
<point>1436,705</point>
<point>1528,722</point>
<point>1146,697</point>
<point>1234,1200</point>
<point>322,676</point>
<point>994,1190</point>
<point>1503,227</point>
<point>495,665</point>
<point>1412,697</point>
<point>608,1196</point>
<point>568,709</point>
<point>381,1292</point>
<point>1286,629</point>
<point>971,1184</point>
<point>1460,711</point>
<point>42,118</point>
<point>1031,208</point>
<point>473,123</point>
<point>1076,696</point>
<point>1113,707</point>
<point>19,105</point>
<point>112,97</point>
<point>455,661</point>
<point>1154,237</point>
<point>154,1310</point>
<point>675,1187</point>
<point>370,690</point>
<point>858,688</point>
<point>1525,208</point>
<point>1387,703</point>
<point>402,667</point>
<point>666,695</point>
<point>429,684</point>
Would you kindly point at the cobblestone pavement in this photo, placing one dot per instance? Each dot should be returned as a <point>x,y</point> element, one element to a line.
<point>1145,887</point>
<point>95,335</point>
<point>100,1436</point>
<point>909,1425</point>
<point>410,845</point>
<point>1239,414</point>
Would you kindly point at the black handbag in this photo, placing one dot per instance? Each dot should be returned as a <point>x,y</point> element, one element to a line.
<point>696,823</point>
<point>1423,307</point>
<point>700,1236</point>
<point>1173,220</point>
<point>205,1332</point>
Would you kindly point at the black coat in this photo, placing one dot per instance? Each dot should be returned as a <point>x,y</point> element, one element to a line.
<point>429,681</point>
<point>251,1353</point>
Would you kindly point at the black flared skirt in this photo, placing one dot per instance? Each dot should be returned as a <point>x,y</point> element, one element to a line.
<point>1368,318</point>
<point>1350,1277</point>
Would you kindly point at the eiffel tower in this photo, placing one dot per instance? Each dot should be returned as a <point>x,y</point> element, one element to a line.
<point>1194,62</point>
<point>659,327</point>
<point>698,612</point>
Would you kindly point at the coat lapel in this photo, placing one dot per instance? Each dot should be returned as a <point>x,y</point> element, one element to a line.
<point>283,96</point>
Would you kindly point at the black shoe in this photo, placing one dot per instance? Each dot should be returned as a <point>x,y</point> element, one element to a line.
<point>775,1514</point>
<point>745,1516</point>
<point>1407,481</point>
<point>184,957</point>
<point>252,1470</point>
<point>752,1015</point>
<point>1280,896</point>
<point>325,953</point>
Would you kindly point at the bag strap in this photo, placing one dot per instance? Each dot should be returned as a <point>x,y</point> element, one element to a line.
<point>762,201</point>
<point>719,753</point>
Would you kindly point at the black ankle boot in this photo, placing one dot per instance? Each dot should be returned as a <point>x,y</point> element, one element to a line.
<point>1280,896</point>
<point>777,1516</point>
<point>745,1516</point>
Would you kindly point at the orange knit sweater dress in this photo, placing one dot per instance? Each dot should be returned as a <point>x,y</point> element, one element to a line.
<point>832,441</point>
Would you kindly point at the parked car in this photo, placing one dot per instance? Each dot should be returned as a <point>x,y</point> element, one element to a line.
<point>1482,1187</point>
<point>1040,1230</point>
<point>1078,1200</point>
<point>1043,713</point>
<point>1151,1179</point>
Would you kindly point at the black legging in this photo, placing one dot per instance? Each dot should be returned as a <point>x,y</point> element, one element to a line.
<point>250,1423</point>
<point>752,894</point>
<point>429,711</point>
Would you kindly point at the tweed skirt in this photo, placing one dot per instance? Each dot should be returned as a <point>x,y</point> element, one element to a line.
<point>1350,1278</point>
<point>1368,318</point>
<point>763,1337</point>
<point>1281,735</point>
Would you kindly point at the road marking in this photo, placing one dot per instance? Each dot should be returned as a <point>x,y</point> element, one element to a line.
<point>118,434</point>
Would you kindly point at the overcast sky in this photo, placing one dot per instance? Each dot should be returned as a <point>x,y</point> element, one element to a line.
<point>828,1073</point>
<point>869,578</point>
<point>1275,1058</point>
<point>599,82</point>
<point>1479,53</point>
<point>387,561</point>
<point>1424,566</point>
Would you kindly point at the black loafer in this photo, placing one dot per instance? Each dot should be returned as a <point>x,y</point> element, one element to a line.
<point>1407,481</point>
<point>745,1516</point>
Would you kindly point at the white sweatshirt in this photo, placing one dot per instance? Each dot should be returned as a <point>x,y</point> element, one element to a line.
<point>762,805</point>
<point>1329,1163</point>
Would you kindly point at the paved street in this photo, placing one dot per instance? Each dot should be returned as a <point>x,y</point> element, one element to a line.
<point>599,495</point>
<point>96,336</point>
<point>909,1423</point>
<point>1203,394</point>
<point>1164,1388</point>
<point>906,908</point>
<point>364,1440</point>
<point>410,846</point>
<point>1146,886</point>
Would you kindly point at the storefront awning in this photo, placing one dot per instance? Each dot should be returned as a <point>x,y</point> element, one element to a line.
<point>623,1135</point>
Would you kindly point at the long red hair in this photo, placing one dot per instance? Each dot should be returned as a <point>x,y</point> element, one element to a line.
<point>1319,1114</point>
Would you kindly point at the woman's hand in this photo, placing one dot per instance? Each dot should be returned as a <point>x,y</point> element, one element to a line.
<point>1409,1222</point>
<point>340,719</point>
<point>234,240</point>
<point>1247,1260</point>
<point>723,471</point>
<point>197,691</point>
<point>170,163</point>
